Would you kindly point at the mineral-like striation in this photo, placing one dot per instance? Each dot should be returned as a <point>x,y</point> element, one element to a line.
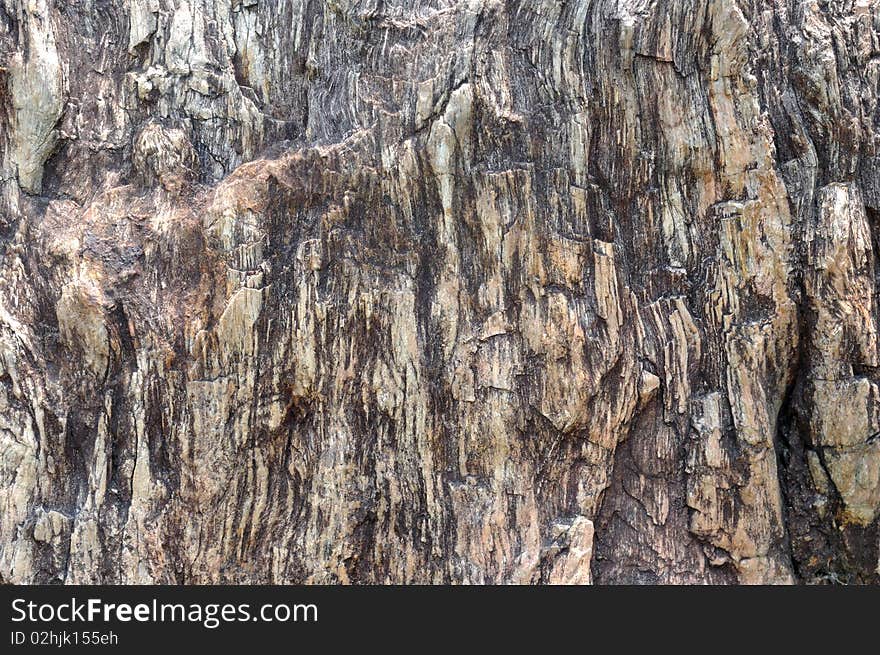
<point>471,291</point>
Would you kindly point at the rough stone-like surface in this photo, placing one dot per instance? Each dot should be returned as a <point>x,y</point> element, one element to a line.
<point>439,291</point>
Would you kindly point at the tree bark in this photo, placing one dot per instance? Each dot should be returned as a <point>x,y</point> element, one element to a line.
<point>439,291</point>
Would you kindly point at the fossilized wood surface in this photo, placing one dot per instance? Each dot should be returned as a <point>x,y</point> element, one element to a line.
<point>439,291</point>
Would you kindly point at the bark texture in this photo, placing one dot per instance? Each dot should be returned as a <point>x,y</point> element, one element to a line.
<point>439,291</point>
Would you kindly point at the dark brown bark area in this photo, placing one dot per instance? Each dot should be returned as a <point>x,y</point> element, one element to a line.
<point>472,291</point>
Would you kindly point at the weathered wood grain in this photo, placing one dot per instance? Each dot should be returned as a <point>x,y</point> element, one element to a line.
<point>439,291</point>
